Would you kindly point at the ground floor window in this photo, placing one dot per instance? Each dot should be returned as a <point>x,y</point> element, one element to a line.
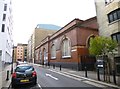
<point>116,37</point>
<point>45,57</point>
<point>66,51</point>
<point>36,55</point>
<point>53,52</point>
<point>40,57</point>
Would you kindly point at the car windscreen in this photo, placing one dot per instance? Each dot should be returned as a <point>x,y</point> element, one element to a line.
<point>24,68</point>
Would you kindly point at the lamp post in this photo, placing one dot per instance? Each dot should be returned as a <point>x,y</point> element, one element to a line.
<point>12,60</point>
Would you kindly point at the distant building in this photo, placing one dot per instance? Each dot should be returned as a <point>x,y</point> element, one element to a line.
<point>108,17</point>
<point>48,26</point>
<point>21,54</point>
<point>40,32</point>
<point>68,47</point>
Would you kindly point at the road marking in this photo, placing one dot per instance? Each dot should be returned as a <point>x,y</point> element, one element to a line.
<point>79,79</point>
<point>51,76</point>
<point>83,78</point>
<point>94,84</point>
<point>39,86</point>
<point>72,71</point>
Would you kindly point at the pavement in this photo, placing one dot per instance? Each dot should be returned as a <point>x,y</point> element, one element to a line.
<point>6,76</point>
<point>91,76</point>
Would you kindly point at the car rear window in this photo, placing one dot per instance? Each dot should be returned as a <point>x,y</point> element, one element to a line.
<point>24,68</point>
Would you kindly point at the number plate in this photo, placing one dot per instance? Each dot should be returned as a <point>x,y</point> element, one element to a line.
<point>26,80</point>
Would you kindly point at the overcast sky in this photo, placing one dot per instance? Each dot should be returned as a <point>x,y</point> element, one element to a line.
<point>28,13</point>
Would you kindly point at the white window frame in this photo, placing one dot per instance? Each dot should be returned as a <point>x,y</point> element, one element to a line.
<point>36,55</point>
<point>53,51</point>
<point>108,1</point>
<point>66,48</point>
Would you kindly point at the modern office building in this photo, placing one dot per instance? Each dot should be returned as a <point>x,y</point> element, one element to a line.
<point>68,47</point>
<point>21,52</point>
<point>6,28</point>
<point>6,39</point>
<point>40,32</point>
<point>108,17</point>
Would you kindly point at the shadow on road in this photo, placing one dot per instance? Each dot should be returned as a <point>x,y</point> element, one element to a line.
<point>26,86</point>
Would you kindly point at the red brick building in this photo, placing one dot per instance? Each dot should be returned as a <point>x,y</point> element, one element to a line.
<point>68,46</point>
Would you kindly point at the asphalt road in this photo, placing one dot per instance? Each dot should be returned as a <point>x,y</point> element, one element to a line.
<point>48,79</point>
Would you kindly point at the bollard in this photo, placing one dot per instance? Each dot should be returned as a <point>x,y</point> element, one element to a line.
<point>49,65</point>
<point>60,67</point>
<point>7,75</point>
<point>98,74</point>
<point>85,71</point>
<point>104,74</point>
<point>114,76</point>
<point>53,66</point>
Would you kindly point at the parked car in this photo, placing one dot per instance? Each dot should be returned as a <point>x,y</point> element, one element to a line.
<point>24,74</point>
<point>20,62</point>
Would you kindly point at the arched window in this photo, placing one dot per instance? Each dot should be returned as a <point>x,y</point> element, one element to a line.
<point>40,57</point>
<point>66,49</point>
<point>36,54</point>
<point>53,52</point>
<point>45,57</point>
<point>88,40</point>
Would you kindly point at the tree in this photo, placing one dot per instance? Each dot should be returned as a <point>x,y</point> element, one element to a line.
<point>103,46</point>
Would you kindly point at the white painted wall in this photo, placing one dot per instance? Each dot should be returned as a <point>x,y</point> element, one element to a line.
<point>6,38</point>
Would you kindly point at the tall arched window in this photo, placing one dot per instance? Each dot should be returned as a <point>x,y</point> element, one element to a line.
<point>53,52</point>
<point>88,40</point>
<point>40,57</point>
<point>36,54</point>
<point>66,49</point>
<point>45,57</point>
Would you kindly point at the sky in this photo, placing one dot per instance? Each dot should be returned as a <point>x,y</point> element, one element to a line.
<point>28,13</point>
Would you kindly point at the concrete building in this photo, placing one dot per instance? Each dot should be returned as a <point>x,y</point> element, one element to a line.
<point>29,48</point>
<point>21,52</point>
<point>35,39</point>
<point>68,47</point>
<point>108,17</point>
<point>6,39</point>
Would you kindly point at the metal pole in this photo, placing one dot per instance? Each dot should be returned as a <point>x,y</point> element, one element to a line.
<point>85,71</point>
<point>12,60</point>
<point>104,70</point>
<point>98,74</point>
<point>53,66</point>
<point>114,76</point>
<point>7,75</point>
<point>60,67</point>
